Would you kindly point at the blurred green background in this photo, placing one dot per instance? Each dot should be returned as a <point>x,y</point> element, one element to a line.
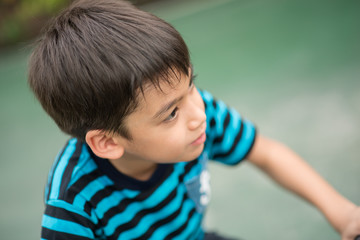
<point>21,20</point>
<point>292,67</point>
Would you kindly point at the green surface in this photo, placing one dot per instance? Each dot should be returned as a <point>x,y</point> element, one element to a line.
<point>292,67</point>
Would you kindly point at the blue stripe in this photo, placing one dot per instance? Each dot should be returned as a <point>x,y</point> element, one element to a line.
<point>152,218</point>
<point>230,133</point>
<point>244,145</point>
<point>59,171</point>
<point>66,227</point>
<point>199,234</point>
<point>84,166</point>
<point>51,172</point>
<point>220,116</point>
<point>71,208</point>
<point>167,229</point>
<point>113,200</point>
<point>90,190</point>
<point>159,195</point>
<point>207,97</point>
<point>194,223</point>
<point>247,139</point>
<point>194,171</point>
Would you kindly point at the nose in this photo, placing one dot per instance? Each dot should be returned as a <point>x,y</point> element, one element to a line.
<point>196,115</point>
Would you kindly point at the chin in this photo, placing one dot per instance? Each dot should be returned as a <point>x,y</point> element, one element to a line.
<point>196,153</point>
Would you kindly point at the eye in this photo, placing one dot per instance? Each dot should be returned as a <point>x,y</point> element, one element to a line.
<point>191,86</point>
<point>192,79</point>
<point>191,83</point>
<point>172,115</point>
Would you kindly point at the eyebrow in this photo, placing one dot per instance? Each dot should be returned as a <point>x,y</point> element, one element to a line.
<point>170,104</point>
<point>167,106</point>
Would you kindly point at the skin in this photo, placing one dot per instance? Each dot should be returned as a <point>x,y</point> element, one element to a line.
<point>168,127</point>
<point>167,137</point>
<point>293,173</point>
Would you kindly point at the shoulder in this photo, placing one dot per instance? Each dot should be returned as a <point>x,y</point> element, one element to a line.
<point>72,165</point>
<point>213,106</point>
<point>206,96</point>
<point>230,136</point>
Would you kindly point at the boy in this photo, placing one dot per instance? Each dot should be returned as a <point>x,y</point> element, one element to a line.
<point>119,80</point>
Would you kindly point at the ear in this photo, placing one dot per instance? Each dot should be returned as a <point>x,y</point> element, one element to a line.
<point>105,145</point>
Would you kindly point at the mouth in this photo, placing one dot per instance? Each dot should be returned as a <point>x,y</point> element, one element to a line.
<point>200,140</point>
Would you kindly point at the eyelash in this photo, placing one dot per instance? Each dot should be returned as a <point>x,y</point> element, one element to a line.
<point>193,77</point>
<point>172,115</point>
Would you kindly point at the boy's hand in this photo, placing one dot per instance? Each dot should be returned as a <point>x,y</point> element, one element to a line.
<point>352,228</point>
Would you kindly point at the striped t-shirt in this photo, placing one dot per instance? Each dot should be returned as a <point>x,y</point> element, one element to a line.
<point>87,198</point>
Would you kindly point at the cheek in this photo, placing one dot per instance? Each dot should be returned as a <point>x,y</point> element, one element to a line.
<point>173,141</point>
<point>176,137</point>
<point>169,138</point>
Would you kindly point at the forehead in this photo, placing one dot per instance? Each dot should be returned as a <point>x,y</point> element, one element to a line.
<point>164,89</point>
<point>154,95</point>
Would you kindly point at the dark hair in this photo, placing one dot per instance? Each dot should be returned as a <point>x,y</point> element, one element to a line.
<point>92,59</point>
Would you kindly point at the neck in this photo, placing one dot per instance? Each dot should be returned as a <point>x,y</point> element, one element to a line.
<point>139,169</point>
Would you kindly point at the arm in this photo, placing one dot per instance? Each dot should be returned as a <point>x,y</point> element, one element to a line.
<point>291,172</point>
<point>62,220</point>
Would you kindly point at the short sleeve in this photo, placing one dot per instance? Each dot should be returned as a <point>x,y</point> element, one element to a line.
<point>230,137</point>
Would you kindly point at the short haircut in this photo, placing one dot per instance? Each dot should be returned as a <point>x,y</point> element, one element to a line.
<point>90,62</point>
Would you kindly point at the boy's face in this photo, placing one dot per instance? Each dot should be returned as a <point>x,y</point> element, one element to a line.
<point>168,125</point>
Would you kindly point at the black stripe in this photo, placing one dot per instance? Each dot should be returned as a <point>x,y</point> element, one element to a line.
<point>163,221</point>
<point>55,235</point>
<point>124,227</point>
<point>225,125</point>
<point>188,168</point>
<point>80,184</point>
<point>101,194</point>
<point>214,104</point>
<point>235,143</point>
<point>69,169</point>
<point>142,196</point>
<point>88,208</point>
<point>61,213</point>
<point>52,174</point>
<point>181,229</point>
<point>212,123</point>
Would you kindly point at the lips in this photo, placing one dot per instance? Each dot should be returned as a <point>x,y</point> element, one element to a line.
<point>200,140</point>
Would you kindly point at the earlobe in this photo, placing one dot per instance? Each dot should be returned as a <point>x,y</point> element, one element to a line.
<point>104,145</point>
